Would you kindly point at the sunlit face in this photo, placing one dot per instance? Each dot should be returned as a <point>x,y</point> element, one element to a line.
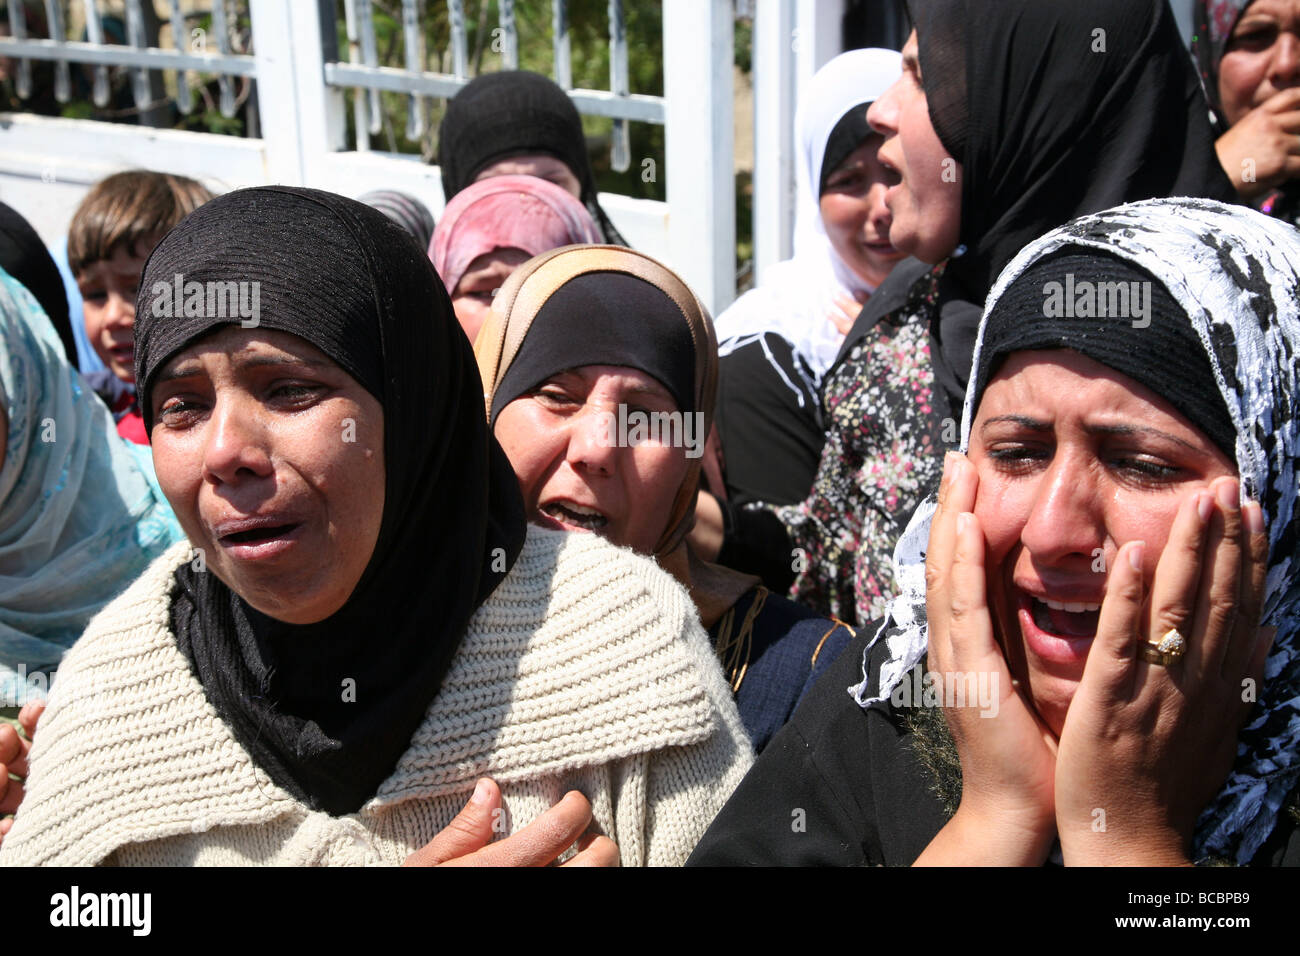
<point>472,297</point>
<point>855,216</point>
<point>925,202</point>
<point>535,164</point>
<point>1074,459</point>
<point>573,476</point>
<point>1262,56</point>
<point>108,289</point>
<point>272,458</point>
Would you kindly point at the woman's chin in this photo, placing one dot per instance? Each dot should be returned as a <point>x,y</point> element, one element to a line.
<point>1051,697</point>
<point>1054,666</point>
<point>873,265</point>
<point>297,609</point>
<point>292,595</point>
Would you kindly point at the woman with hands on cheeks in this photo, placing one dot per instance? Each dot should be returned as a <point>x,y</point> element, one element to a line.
<point>1098,566</point>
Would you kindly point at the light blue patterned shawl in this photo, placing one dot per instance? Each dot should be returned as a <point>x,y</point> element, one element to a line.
<point>81,514</point>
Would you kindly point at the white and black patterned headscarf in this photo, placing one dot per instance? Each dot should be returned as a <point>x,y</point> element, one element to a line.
<point>1236,275</point>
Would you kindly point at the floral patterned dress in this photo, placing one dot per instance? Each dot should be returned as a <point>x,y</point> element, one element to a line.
<point>883,454</point>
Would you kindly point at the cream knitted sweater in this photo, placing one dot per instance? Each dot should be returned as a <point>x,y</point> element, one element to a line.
<point>586,669</point>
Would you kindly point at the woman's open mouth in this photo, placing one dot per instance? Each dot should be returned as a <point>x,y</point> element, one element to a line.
<point>575,517</point>
<point>1064,619</point>
<point>1058,630</point>
<point>257,539</point>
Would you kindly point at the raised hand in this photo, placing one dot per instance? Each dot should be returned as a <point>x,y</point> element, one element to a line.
<point>1262,149</point>
<point>1007,814</point>
<point>844,312</point>
<point>1145,746</point>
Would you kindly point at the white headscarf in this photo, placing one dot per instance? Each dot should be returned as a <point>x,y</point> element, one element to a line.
<point>1236,274</point>
<point>797,295</point>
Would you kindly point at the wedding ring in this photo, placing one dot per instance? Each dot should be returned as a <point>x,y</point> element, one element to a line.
<point>1165,651</point>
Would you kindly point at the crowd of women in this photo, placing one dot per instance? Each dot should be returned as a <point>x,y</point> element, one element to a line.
<point>958,574</point>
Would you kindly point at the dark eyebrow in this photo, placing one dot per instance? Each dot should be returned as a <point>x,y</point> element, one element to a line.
<point>652,391</point>
<point>1024,421</point>
<point>184,370</point>
<point>190,367</point>
<point>911,62</point>
<point>262,361</point>
<point>655,390</point>
<point>1125,430</point>
<point>1033,424</point>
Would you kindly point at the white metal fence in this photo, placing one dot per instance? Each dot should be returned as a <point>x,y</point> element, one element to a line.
<point>363,74</point>
<point>47,163</point>
<point>303,95</point>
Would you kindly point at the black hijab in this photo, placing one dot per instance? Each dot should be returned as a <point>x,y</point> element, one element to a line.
<point>1054,110</point>
<point>584,322</point>
<point>1213,22</point>
<point>343,277</point>
<point>515,113</point>
<point>24,256</point>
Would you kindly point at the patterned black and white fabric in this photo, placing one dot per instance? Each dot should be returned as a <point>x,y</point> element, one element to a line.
<point>1236,274</point>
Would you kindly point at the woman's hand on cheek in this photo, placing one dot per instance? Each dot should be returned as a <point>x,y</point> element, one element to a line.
<point>1006,816</point>
<point>1145,747</point>
<point>1262,149</point>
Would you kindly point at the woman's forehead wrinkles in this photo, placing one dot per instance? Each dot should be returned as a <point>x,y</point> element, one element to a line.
<point>247,355</point>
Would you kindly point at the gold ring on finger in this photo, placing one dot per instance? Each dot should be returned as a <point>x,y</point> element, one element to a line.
<point>1169,649</point>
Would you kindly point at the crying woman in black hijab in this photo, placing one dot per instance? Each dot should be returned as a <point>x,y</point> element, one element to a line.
<point>1010,118</point>
<point>340,524</point>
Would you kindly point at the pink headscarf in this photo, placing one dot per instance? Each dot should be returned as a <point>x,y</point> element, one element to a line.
<point>502,212</point>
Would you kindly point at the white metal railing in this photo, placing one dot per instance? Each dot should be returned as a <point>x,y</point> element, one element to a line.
<point>303,99</point>
<point>138,54</point>
<point>363,74</point>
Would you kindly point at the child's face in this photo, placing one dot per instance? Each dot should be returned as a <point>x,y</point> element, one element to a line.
<point>108,288</point>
